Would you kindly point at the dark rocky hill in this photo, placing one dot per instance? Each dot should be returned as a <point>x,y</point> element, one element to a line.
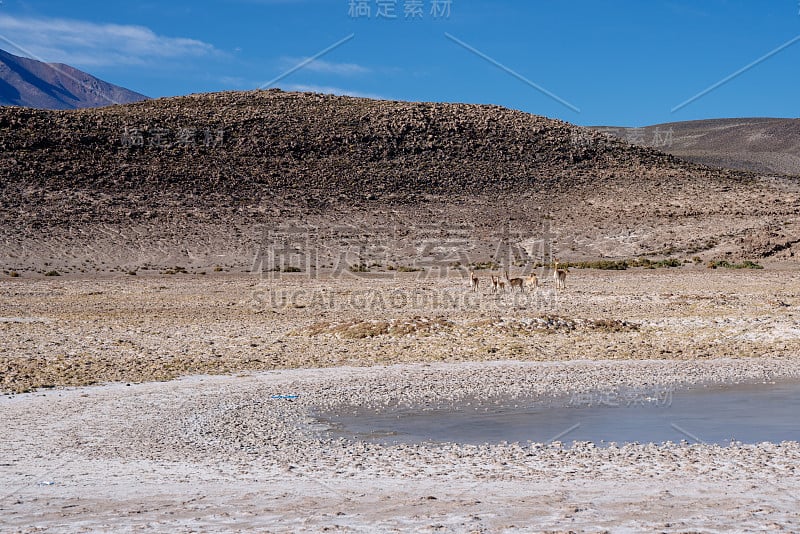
<point>196,181</point>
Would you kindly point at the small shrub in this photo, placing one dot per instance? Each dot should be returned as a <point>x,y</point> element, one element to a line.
<point>13,274</point>
<point>613,325</point>
<point>480,266</point>
<point>359,268</point>
<point>357,329</point>
<point>746,264</point>
<point>670,262</point>
<point>407,269</point>
<point>52,273</point>
<point>620,265</point>
<point>650,264</point>
<point>350,329</point>
<point>610,265</point>
<point>291,269</point>
<point>132,273</point>
<point>217,269</point>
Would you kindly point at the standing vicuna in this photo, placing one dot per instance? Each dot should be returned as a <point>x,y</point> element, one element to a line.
<point>473,281</point>
<point>495,283</point>
<point>515,282</point>
<point>532,282</point>
<point>560,275</point>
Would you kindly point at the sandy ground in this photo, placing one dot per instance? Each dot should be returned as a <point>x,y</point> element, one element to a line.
<point>71,331</point>
<point>217,453</point>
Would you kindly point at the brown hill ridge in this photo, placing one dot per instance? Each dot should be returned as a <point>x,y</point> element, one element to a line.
<point>296,140</point>
<point>763,145</point>
<point>195,181</point>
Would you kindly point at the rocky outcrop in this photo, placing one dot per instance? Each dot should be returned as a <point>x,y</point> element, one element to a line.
<point>218,166</point>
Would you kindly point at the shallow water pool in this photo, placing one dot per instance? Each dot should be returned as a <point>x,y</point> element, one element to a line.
<point>749,413</point>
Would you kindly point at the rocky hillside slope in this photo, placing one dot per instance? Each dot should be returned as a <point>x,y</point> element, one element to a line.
<point>758,145</point>
<point>198,181</point>
<point>30,83</point>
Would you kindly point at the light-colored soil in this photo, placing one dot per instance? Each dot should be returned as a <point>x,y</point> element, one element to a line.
<point>62,331</point>
<point>218,453</point>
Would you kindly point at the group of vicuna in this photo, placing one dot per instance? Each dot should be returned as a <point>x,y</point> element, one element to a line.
<point>531,282</point>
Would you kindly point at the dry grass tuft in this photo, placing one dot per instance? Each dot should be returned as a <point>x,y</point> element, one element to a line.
<point>360,329</point>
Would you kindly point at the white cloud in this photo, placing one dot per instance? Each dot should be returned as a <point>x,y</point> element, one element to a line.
<point>82,43</point>
<point>327,67</point>
<point>329,90</point>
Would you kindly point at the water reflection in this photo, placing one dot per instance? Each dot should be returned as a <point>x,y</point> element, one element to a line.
<point>749,413</point>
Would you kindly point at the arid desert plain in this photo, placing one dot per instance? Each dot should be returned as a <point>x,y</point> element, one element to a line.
<point>252,311</point>
<point>190,402</point>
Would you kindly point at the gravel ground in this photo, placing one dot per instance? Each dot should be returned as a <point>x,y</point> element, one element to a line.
<point>216,452</point>
<point>72,331</point>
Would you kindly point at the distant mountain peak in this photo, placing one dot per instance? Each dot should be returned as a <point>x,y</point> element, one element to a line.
<point>35,84</point>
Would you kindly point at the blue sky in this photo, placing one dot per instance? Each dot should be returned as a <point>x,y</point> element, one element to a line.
<point>588,62</point>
